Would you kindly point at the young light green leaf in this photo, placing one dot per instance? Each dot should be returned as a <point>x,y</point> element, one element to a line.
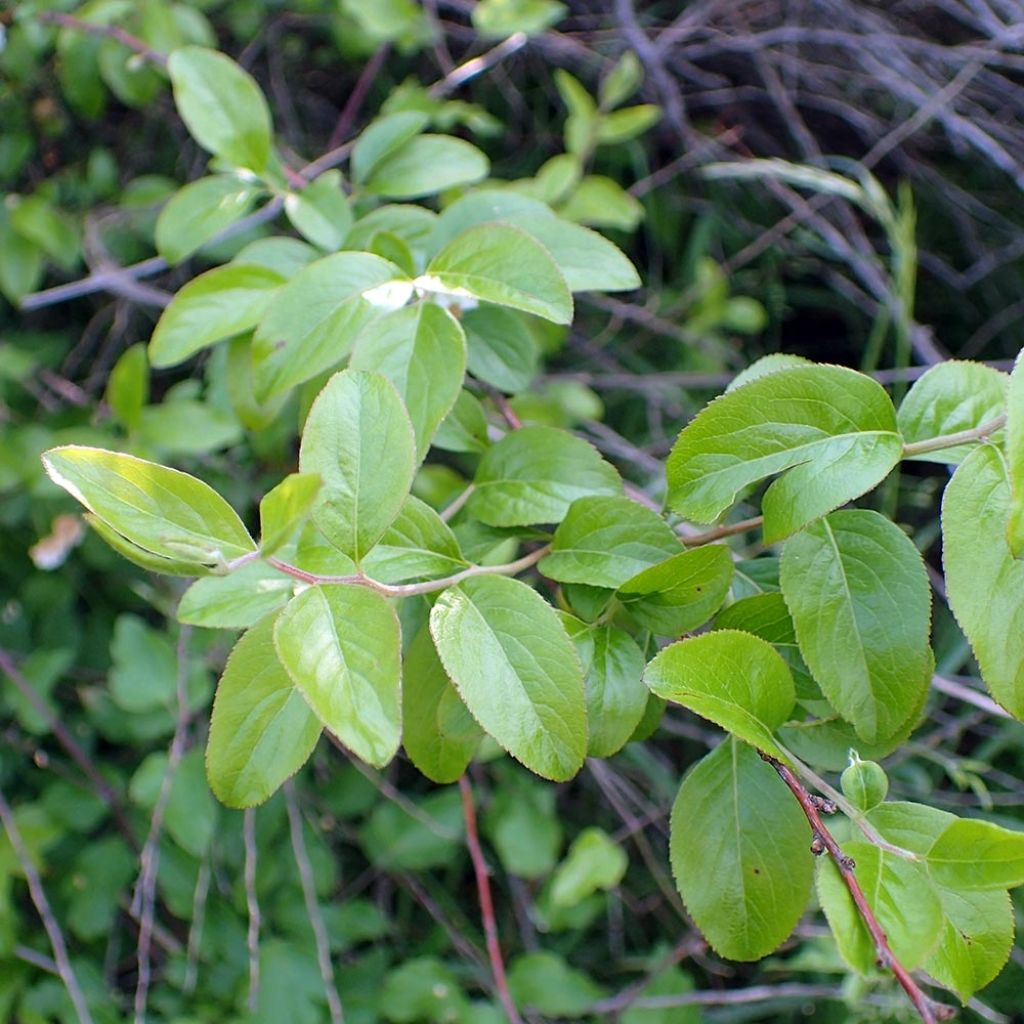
<point>314,320</point>
<point>504,265</point>
<point>984,582</point>
<point>546,982</point>
<point>605,541</point>
<point>222,106</point>
<point>613,667</point>
<point>341,646</point>
<point>502,351</point>
<point>627,123</point>
<point>588,261</point>
<point>902,897</point>
<point>602,203</point>
<point>224,301</point>
<point>199,211</point>
<point>953,396</point>
<point>736,680</point>
<point>128,385</point>
<point>320,212</point>
<point>594,862</point>
<point>527,695</point>
<point>834,429</point>
<point>534,474</point>
<point>1015,456</point>
<point>976,940</point>
<point>235,601</point>
<point>860,599</point>
<point>502,18</point>
<point>285,255</point>
<point>484,206</point>
<point>426,165</point>
<point>262,731</point>
<point>438,732</point>
<point>621,82</point>
<point>161,510</point>
<point>283,509</point>
<point>417,545</point>
<point>735,813</point>
<point>359,440</point>
<point>681,593</point>
<point>421,349</point>
<point>971,854</point>
<point>382,137</point>
<point>142,558</point>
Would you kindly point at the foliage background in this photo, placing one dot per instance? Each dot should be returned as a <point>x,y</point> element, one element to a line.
<point>926,96</point>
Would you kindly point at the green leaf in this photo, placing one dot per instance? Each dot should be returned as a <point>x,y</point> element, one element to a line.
<point>771,363</point>
<point>976,940</point>
<point>1015,456</point>
<point>142,558</point>
<point>438,732</point>
<point>501,18</point>
<point>735,813</point>
<point>626,124</point>
<point>464,429</point>
<point>128,386</point>
<point>426,165</point>
<point>735,680</point>
<point>504,265</point>
<point>950,397</point>
<point>594,862</point>
<point>484,206</point>
<point>417,545</point>
<point>341,646</point>
<point>38,220</point>
<point>860,599</point>
<point>534,474</point>
<point>21,261</point>
<point>899,893</point>
<point>670,982</point>
<point>602,203</point>
<point>213,306</point>
<point>984,582</point>
<point>394,839</point>
<point>235,601</point>
<point>320,212</point>
<point>523,827</point>
<point>834,430</point>
<point>422,989</point>
<point>222,106</point>
<point>421,349</point>
<point>616,697</point>
<point>286,256</point>
<point>314,320</point>
<point>191,818</point>
<point>262,731</point>
<point>527,693</point>
<point>681,593</point>
<point>382,137</point>
<point>187,427</point>
<point>162,510</point>
<point>621,82</point>
<point>502,350</point>
<point>605,541</point>
<point>360,442</point>
<point>199,211</point>
<point>546,982</point>
<point>284,508</point>
<point>144,669</point>
<point>977,855</point>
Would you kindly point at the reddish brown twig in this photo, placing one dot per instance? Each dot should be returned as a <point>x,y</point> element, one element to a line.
<point>823,840</point>
<point>483,887</point>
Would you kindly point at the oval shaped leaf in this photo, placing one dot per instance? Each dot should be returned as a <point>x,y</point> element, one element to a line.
<point>516,669</point>
<point>860,599</point>
<point>735,813</point>
<point>834,430</point>
<point>161,510</point>
<point>359,440</point>
<point>262,731</point>
<point>222,106</point>
<point>605,541</point>
<point>314,320</point>
<point>977,855</point>
<point>736,680</point>
<point>320,212</point>
<point>421,349</point>
<point>419,544</point>
<point>213,306</point>
<point>534,474</point>
<point>235,601</point>
<point>504,265</point>
<point>341,646</point>
<point>426,165</point>
<point>955,395</point>
<point>984,582</point>
<point>199,211</point>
